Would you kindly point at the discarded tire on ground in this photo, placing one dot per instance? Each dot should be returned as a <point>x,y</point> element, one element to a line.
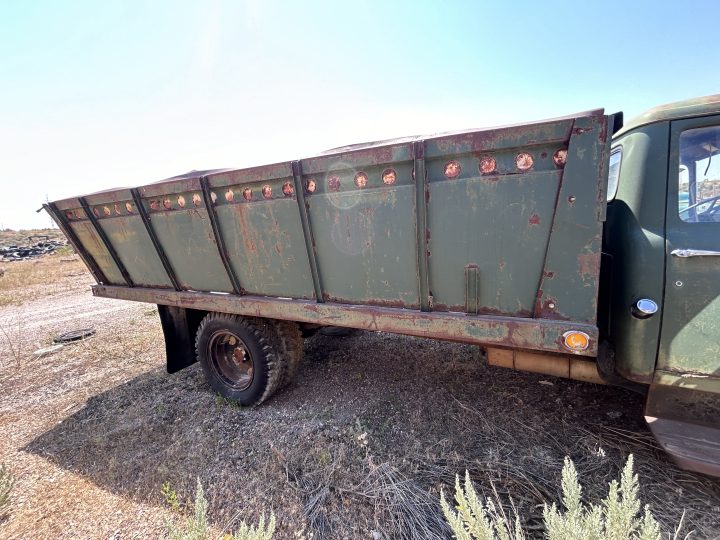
<point>240,357</point>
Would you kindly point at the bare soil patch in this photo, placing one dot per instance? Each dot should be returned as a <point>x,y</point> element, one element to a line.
<point>373,427</point>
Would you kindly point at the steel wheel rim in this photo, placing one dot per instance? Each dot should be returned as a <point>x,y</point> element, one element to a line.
<point>231,360</point>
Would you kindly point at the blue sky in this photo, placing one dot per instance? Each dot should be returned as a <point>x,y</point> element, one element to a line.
<point>100,94</point>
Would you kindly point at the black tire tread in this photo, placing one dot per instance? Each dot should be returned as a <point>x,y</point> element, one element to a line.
<point>291,346</point>
<point>266,342</point>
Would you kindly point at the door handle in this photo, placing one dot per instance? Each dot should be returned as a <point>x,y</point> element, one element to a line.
<point>685,253</point>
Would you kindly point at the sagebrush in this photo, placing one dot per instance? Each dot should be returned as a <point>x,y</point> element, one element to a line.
<point>196,527</point>
<point>7,482</point>
<point>617,517</point>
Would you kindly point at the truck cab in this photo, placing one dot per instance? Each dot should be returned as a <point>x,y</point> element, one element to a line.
<point>661,268</point>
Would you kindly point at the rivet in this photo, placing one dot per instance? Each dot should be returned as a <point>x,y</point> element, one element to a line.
<point>229,195</point>
<point>311,185</point>
<point>288,189</point>
<point>334,183</point>
<point>571,199</point>
<point>129,207</point>
<point>106,210</point>
<point>117,209</point>
<point>167,204</point>
<point>361,179</point>
<point>678,283</point>
<point>196,199</point>
<point>247,194</point>
<point>181,201</point>
<point>213,197</point>
<point>551,305</point>
<point>95,211</point>
<point>267,191</point>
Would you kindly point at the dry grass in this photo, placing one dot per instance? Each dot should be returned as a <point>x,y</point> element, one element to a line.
<point>10,237</point>
<point>359,447</point>
<point>39,277</point>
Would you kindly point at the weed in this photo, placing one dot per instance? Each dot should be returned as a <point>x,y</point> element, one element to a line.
<point>170,496</point>
<point>7,482</point>
<point>616,517</point>
<point>222,401</point>
<point>196,527</point>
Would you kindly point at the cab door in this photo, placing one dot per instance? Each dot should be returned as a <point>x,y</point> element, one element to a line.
<point>690,335</point>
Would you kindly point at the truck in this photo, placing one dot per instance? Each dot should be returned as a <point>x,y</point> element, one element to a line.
<point>576,247</point>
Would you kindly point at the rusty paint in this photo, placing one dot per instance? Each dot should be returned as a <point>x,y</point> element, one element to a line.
<point>524,161</point>
<point>267,191</point>
<point>518,332</point>
<point>588,263</point>
<point>534,220</point>
<point>452,169</point>
<point>154,205</point>
<point>389,176</point>
<point>488,165</point>
<point>548,274</point>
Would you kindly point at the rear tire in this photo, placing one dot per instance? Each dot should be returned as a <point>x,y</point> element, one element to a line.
<point>239,358</point>
<point>290,347</point>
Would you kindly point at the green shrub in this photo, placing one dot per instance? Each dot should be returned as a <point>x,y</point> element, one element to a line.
<point>196,526</point>
<point>170,496</point>
<point>615,518</point>
<point>7,482</point>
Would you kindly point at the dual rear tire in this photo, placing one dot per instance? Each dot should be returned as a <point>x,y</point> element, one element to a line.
<point>246,359</point>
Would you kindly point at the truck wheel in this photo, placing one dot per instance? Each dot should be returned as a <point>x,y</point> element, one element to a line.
<point>238,357</point>
<point>290,345</point>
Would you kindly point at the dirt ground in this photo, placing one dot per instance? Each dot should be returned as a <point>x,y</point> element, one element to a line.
<point>358,447</point>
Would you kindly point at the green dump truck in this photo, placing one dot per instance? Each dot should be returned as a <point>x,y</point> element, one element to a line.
<point>574,247</point>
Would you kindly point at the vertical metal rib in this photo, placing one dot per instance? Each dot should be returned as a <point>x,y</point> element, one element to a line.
<point>106,242</point>
<point>421,211</point>
<point>307,231</point>
<point>89,261</point>
<point>151,232</point>
<point>219,241</point>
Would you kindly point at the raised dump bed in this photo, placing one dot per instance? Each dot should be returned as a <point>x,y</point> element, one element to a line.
<point>489,236</point>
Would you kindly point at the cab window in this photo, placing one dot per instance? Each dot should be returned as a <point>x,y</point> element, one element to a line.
<point>699,177</point>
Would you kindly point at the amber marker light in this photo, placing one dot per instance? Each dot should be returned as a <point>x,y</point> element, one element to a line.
<point>576,340</point>
<point>524,161</point>
<point>487,165</point>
